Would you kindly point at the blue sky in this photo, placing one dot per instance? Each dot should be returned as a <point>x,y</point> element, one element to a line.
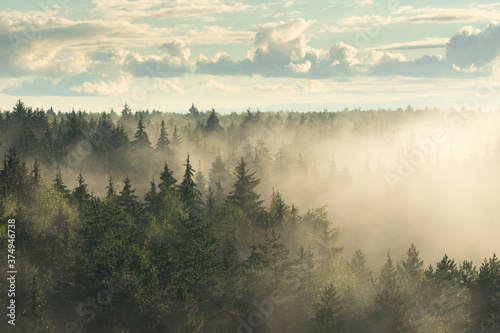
<point>294,54</point>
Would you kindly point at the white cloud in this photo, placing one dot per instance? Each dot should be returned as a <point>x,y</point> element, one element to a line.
<point>156,10</point>
<point>101,87</point>
<point>425,15</point>
<point>426,43</point>
<point>210,82</point>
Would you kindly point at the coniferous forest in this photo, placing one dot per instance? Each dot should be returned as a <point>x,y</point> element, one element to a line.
<point>351,221</point>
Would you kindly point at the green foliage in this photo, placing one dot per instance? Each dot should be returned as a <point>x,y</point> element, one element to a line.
<point>327,312</point>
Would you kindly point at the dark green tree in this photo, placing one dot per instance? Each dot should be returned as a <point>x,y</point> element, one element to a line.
<point>163,143</point>
<point>59,184</point>
<point>188,190</point>
<point>243,194</point>
<point>141,137</point>
<point>167,180</point>
<point>327,312</point>
<point>81,193</point>
<point>111,191</point>
<point>213,122</point>
<point>128,199</point>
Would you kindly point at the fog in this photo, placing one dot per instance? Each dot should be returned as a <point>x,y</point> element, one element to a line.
<point>387,178</point>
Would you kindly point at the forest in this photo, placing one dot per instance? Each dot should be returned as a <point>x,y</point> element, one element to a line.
<point>152,221</point>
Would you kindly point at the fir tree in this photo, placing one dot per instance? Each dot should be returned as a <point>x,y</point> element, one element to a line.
<point>188,190</point>
<point>127,197</point>
<point>213,122</point>
<point>272,255</point>
<point>111,191</point>
<point>81,193</point>
<point>152,196</point>
<point>167,180</point>
<point>59,184</point>
<point>163,142</point>
<point>327,312</point>
<point>243,194</point>
<point>141,137</point>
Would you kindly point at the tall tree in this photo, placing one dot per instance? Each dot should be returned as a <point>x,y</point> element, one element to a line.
<point>14,176</point>
<point>81,193</point>
<point>163,142</point>
<point>213,122</point>
<point>272,256</point>
<point>190,194</point>
<point>243,194</point>
<point>111,191</point>
<point>59,184</point>
<point>151,197</point>
<point>327,312</point>
<point>167,180</point>
<point>128,199</point>
<point>141,137</point>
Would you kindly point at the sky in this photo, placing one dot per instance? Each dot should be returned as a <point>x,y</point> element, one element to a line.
<point>297,55</point>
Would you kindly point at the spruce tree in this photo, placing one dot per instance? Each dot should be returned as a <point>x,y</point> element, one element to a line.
<point>190,194</point>
<point>271,256</point>
<point>111,191</point>
<point>163,142</point>
<point>141,137</point>
<point>327,312</point>
<point>127,197</point>
<point>167,180</point>
<point>151,197</point>
<point>81,193</point>
<point>243,194</point>
<point>59,184</point>
<point>213,122</point>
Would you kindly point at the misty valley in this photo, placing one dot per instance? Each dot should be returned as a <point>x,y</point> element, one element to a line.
<point>356,220</point>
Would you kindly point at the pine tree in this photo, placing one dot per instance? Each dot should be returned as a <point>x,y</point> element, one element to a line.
<point>243,194</point>
<point>167,180</point>
<point>389,305</point>
<point>279,211</point>
<point>14,176</point>
<point>141,137</point>
<point>327,312</point>
<point>163,142</point>
<point>127,197</point>
<point>193,111</point>
<point>358,265</point>
<point>152,196</point>
<point>190,194</point>
<point>213,122</point>
<point>59,184</point>
<point>81,193</point>
<point>111,191</point>
<point>412,270</point>
<point>271,256</point>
